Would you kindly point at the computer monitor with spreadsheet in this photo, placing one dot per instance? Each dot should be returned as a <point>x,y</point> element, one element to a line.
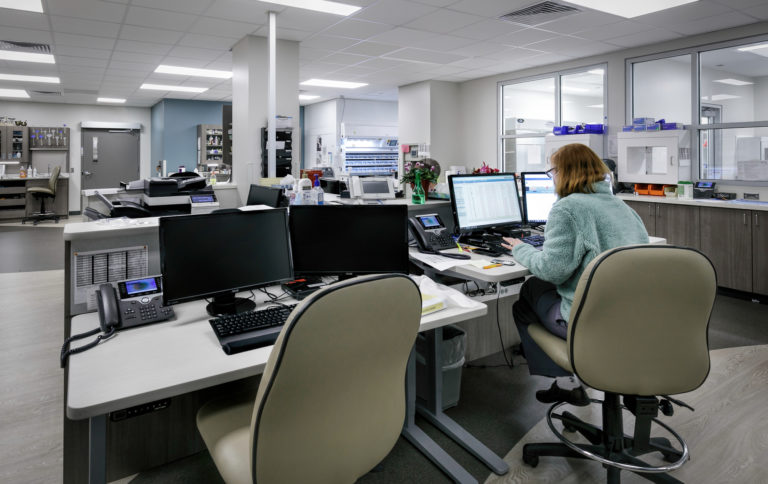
<point>220,254</point>
<point>483,201</point>
<point>538,196</point>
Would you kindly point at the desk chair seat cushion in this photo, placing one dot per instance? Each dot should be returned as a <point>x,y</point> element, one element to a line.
<point>554,346</point>
<point>225,425</point>
<point>45,191</point>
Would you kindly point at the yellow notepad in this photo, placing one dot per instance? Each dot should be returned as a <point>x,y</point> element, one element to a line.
<point>431,303</point>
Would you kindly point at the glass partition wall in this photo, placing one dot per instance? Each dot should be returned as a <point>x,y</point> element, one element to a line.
<point>531,107</point>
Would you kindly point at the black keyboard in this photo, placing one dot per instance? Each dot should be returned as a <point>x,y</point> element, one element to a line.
<point>252,329</point>
<point>535,240</point>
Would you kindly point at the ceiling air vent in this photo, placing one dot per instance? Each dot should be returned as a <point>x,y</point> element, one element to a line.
<point>539,13</point>
<point>47,93</point>
<point>25,47</point>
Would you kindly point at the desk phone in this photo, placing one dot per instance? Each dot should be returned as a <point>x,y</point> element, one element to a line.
<point>430,232</point>
<point>137,302</point>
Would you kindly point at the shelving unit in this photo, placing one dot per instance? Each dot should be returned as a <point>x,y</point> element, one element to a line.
<point>283,152</point>
<point>370,156</point>
<point>14,144</point>
<point>13,199</point>
<point>210,144</point>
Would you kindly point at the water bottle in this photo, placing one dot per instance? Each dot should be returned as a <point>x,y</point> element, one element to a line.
<point>318,191</point>
<point>213,178</point>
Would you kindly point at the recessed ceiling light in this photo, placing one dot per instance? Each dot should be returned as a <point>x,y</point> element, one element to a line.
<point>161,87</point>
<point>630,9</point>
<point>723,97</point>
<point>733,82</point>
<point>190,71</point>
<point>44,79</point>
<point>110,100</point>
<point>13,55</point>
<point>330,83</point>
<point>13,93</point>
<point>307,97</point>
<point>600,106</point>
<point>597,72</point>
<point>753,47</point>
<point>319,6</point>
<point>26,5</point>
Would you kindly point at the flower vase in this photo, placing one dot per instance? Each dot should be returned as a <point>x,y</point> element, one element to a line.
<point>426,185</point>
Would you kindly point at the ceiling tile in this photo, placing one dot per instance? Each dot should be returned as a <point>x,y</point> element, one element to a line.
<point>437,3</point>
<point>709,24</point>
<point>159,19</point>
<point>581,21</point>
<point>186,6</point>
<point>381,63</point>
<point>301,19</point>
<point>206,41</point>
<point>24,20</point>
<point>545,59</point>
<point>81,61</point>
<point>224,28</point>
<point>136,67</point>
<point>422,55</point>
<point>371,48</point>
<point>242,10</point>
<point>83,41</point>
<point>326,42</point>
<point>618,29</point>
<point>136,57</point>
<point>356,29</point>
<point>475,63</point>
<point>131,32</point>
<point>141,47</point>
<point>81,52</point>
<point>443,21</point>
<point>308,53</point>
<point>683,14</point>
<point>402,36</point>
<point>87,9</point>
<point>284,34</point>
<point>525,37</point>
<point>394,12</point>
<point>69,25</point>
<point>442,43</point>
<point>123,75</point>
<point>352,72</point>
<point>643,38</point>
<point>26,35</point>
<point>516,54</point>
<point>487,29</point>
<point>478,49</point>
<point>344,59</point>
<point>81,71</point>
<point>206,55</point>
<point>490,8</point>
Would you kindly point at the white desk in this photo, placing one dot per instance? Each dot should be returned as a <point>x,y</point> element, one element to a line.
<point>145,364</point>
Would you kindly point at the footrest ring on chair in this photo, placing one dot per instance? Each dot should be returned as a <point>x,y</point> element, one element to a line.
<point>621,465</point>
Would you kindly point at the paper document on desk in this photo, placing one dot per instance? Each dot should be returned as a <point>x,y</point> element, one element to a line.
<point>431,303</point>
<point>452,297</point>
<point>437,261</point>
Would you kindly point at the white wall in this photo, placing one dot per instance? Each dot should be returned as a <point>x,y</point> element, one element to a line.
<point>71,115</point>
<point>320,119</point>
<point>413,113</point>
<point>445,113</point>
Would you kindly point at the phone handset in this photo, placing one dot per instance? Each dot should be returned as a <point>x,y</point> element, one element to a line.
<point>109,321</point>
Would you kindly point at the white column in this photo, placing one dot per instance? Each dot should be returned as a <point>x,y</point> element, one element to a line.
<point>250,66</point>
<point>271,97</point>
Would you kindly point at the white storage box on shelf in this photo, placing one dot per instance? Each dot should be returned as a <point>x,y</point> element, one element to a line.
<point>553,143</point>
<point>657,157</point>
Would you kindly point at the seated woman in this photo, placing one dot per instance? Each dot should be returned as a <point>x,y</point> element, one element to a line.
<point>585,221</point>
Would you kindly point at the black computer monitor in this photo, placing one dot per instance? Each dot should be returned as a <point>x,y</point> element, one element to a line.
<point>349,240</point>
<point>484,201</point>
<point>538,196</point>
<point>260,195</point>
<point>217,255</point>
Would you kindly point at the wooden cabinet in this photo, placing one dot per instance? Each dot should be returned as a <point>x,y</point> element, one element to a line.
<point>647,213</point>
<point>760,252</point>
<point>679,224</point>
<point>726,238</point>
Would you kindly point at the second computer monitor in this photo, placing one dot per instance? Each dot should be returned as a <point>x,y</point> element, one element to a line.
<point>259,195</point>
<point>349,240</point>
<point>538,196</point>
<point>483,201</point>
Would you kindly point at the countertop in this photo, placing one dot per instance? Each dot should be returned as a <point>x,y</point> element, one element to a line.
<point>699,202</point>
<point>40,176</point>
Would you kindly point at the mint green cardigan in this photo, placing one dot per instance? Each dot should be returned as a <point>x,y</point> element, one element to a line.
<point>580,226</point>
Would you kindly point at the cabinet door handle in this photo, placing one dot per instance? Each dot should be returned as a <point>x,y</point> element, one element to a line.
<point>650,210</point>
<point>744,218</point>
<point>671,161</point>
<point>757,222</point>
<point>658,211</point>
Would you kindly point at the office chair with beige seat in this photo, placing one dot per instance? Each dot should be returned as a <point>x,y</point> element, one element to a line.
<point>41,193</point>
<point>331,402</point>
<point>638,331</point>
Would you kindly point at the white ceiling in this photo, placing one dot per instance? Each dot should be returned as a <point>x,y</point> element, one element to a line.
<point>108,48</point>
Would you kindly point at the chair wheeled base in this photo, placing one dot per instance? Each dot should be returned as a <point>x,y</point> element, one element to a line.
<point>38,217</point>
<point>609,445</point>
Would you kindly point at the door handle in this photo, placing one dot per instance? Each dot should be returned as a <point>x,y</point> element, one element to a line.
<point>87,173</point>
<point>650,210</point>
<point>757,222</point>
<point>744,218</point>
<point>658,211</point>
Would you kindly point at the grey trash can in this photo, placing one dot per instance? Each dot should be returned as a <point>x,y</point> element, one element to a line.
<point>452,353</point>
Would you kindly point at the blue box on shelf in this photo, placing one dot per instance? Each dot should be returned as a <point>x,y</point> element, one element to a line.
<point>627,128</point>
<point>594,128</point>
<point>561,130</point>
<point>645,121</point>
<point>666,126</point>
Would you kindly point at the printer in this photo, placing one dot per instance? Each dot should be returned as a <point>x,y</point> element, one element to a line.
<point>178,196</point>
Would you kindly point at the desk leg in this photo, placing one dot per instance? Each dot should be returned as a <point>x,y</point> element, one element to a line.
<point>97,450</point>
<point>432,409</point>
<point>422,441</point>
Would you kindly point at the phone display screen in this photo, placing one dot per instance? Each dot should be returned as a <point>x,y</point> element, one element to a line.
<point>705,184</point>
<point>430,222</point>
<point>138,287</point>
<point>202,199</point>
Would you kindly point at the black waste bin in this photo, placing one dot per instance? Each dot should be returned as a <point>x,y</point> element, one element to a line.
<point>452,353</point>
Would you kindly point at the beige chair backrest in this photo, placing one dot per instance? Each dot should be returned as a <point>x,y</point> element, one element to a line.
<point>331,402</point>
<point>639,320</point>
<point>54,178</point>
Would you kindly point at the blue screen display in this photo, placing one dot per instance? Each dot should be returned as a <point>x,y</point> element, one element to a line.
<point>140,285</point>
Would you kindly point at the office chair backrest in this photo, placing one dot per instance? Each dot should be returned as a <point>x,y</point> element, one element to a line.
<point>331,402</point>
<point>639,320</point>
<point>54,179</point>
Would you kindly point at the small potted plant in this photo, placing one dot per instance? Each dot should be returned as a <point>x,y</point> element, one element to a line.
<point>484,169</point>
<point>428,170</point>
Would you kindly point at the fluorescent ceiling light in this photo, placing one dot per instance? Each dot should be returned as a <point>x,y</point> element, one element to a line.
<point>160,87</point>
<point>15,77</point>
<point>110,100</point>
<point>330,83</point>
<point>597,72</point>
<point>335,8</point>
<point>723,97</point>
<point>26,5</point>
<point>596,106</point>
<point>733,82</point>
<point>13,55</point>
<point>629,8</point>
<point>13,93</point>
<point>753,47</point>
<point>307,97</point>
<point>190,71</point>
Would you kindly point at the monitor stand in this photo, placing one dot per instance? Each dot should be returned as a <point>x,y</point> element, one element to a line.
<point>228,303</point>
